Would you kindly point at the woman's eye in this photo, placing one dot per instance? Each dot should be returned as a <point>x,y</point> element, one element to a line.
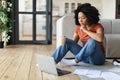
<point>82,18</point>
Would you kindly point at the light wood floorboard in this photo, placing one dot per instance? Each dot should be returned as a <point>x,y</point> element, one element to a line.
<point>18,62</point>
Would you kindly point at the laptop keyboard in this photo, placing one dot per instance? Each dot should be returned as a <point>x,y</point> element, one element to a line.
<point>62,72</point>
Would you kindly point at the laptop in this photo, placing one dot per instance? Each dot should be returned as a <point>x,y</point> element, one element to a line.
<point>47,64</point>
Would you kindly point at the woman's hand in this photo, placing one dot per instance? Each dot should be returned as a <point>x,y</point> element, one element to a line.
<point>99,35</point>
<point>75,37</point>
<point>83,28</point>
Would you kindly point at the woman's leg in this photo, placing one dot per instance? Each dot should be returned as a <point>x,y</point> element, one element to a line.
<point>91,53</point>
<point>66,45</point>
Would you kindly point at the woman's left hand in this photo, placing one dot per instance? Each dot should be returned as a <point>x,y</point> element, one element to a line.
<point>83,28</point>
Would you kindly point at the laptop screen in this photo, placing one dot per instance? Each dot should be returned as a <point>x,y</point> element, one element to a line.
<point>46,64</point>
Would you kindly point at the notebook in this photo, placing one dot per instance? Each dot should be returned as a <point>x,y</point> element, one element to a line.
<point>47,64</point>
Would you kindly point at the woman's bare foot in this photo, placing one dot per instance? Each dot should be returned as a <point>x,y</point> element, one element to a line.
<point>69,62</point>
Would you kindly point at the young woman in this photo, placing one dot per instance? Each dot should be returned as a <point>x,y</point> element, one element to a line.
<point>90,33</point>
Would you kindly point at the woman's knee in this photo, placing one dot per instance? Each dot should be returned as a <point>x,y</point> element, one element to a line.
<point>91,41</point>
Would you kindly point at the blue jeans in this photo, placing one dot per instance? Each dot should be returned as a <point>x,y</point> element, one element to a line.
<point>90,53</point>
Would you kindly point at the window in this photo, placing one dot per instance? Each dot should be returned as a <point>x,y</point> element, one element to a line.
<point>72,7</point>
<point>118,9</point>
<point>66,8</point>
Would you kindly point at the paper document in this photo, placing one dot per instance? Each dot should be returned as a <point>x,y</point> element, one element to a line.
<point>103,72</point>
<point>114,69</point>
<point>88,72</point>
<point>94,73</point>
<point>110,76</point>
<point>80,71</point>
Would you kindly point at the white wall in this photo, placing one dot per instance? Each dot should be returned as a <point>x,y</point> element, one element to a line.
<point>105,7</point>
<point>109,9</point>
<point>61,4</point>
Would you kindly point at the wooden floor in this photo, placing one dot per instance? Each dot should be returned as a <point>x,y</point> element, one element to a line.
<point>17,62</point>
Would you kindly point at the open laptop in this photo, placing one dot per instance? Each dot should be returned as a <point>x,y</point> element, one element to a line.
<point>47,64</point>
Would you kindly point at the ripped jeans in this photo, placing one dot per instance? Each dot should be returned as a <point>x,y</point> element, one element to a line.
<point>90,53</point>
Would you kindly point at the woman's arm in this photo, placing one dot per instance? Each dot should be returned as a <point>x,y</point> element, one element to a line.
<point>75,37</point>
<point>98,36</point>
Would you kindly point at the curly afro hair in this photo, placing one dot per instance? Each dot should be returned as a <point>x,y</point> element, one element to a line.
<point>90,12</point>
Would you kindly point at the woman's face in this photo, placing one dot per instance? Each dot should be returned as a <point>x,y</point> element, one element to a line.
<point>82,19</point>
